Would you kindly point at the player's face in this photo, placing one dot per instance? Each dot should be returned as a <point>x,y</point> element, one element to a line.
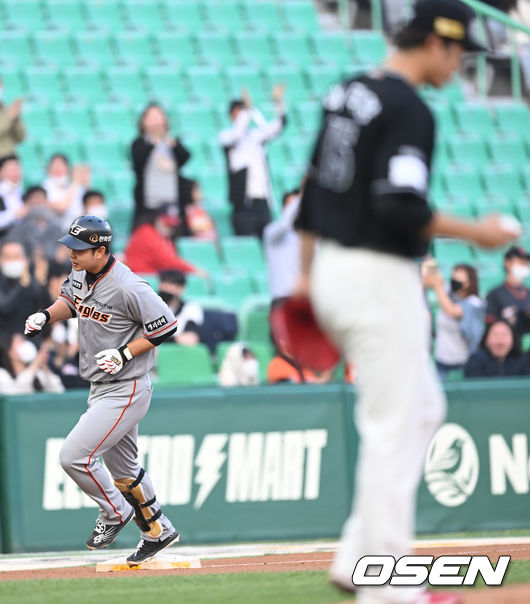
<point>444,59</point>
<point>87,260</point>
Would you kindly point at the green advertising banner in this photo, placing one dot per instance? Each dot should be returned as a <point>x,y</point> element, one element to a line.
<point>265,463</point>
<point>228,465</point>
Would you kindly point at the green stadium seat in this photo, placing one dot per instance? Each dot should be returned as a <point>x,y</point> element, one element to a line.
<point>197,119</point>
<point>105,155</point>
<point>95,48</point>
<point>68,146</point>
<point>300,150</point>
<point>256,326</point>
<point>225,14</point>
<point>206,83</point>
<point>24,15</point>
<point>294,47</point>
<point>12,83</point>
<point>260,282</point>
<point>255,48</point>
<point>73,119</point>
<point>525,176</point>
<point>38,120</point>
<point>144,15</point>
<point>508,148</point>
<point>20,51</point>
<point>321,78</point>
<point>114,119</point>
<point>29,154</point>
<point>213,183</point>
<point>221,215</point>
<point>64,14</point>
<point>369,47</point>
<point>456,205</point>
<point>332,48</point>
<point>135,48</point>
<point>308,115</point>
<point>446,125</point>
<point>185,15</point>
<point>245,76</point>
<point>502,179</point>
<point>216,48</point>
<point>125,85</point>
<point>121,217</point>
<point>175,48</point>
<point>104,15</point>
<point>43,84</point>
<point>263,15</point>
<point>463,179</point>
<point>277,156</point>
<point>300,15</point>
<point>200,253</point>
<point>292,77</point>
<point>166,85</point>
<point>122,184</point>
<point>85,84</point>
<point>54,48</point>
<point>242,253</point>
<point>493,203</point>
<point>512,117</point>
<point>467,147</point>
<point>441,156</point>
<point>474,117</point>
<point>449,252</point>
<point>184,365</point>
<point>195,286</point>
<point>233,289</point>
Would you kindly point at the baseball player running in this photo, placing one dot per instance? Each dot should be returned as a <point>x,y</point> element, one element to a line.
<point>366,199</point>
<point>121,321</point>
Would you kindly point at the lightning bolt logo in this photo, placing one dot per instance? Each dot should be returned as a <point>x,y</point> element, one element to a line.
<point>209,461</point>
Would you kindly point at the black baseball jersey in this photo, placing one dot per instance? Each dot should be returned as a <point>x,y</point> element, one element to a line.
<point>368,178</point>
<point>510,303</point>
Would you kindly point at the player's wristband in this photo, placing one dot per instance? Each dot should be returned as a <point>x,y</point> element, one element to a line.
<point>125,354</point>
<point>45,313</point>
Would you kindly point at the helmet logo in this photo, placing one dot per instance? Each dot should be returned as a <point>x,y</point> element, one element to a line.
<point>93,238</point>
<point>75,229</point>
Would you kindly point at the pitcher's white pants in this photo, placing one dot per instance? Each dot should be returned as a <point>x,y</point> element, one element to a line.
<point>372,305</point>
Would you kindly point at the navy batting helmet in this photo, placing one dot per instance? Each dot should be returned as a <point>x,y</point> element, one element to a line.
<point>88,232</point>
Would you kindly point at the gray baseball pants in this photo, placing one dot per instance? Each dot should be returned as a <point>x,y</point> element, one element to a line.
<point>109,429</point>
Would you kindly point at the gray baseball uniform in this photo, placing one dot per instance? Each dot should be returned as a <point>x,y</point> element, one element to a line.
<point>116,308</point>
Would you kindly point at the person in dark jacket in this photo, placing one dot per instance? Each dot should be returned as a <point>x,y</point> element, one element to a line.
<point>157,158</point>
<point>499,354</point>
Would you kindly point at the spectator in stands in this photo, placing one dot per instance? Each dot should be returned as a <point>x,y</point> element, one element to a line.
<point>20,293</point>
<point>11,206</point>
<point>240,366</point>
<point>23,368</point>
<point>94,204</point>
<point>511,300</point>
<point>199,222</point>
<point>151,248</point>
<point>195,324</point>
<point>11,127</point>
<point>460,318</point>
<point>40,228</point>
<point>284,369</point>
<point>499,354</point>
<point>281,246</point>
<point>250,190</point>
<point>65,188</point>
<point>157,158</point>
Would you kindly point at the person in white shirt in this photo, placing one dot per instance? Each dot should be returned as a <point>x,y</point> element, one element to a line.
<point>11,205</point>
<point>250,191</point>
<point>65,189</point>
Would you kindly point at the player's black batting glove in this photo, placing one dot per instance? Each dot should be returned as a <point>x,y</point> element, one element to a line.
<point>35,323</point>
<point>113,360</point>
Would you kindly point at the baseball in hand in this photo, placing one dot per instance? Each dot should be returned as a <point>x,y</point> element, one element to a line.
<point>510,224</point>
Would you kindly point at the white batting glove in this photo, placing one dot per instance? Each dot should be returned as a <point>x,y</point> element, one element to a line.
<point>35,323</point>
<point>110,361</point>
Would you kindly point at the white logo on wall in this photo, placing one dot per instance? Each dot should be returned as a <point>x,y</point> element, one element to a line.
<point>452,465</point>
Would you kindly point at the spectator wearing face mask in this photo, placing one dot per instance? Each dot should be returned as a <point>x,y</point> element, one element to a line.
<point>20,293</point>
<point>460,318</point>
<point>11,206</point>
<point>240,366</point>
<point>65,188</point>
<point>511,300</point>
<point>499,354</point>
<point>40,227</point>
<point>151,248</point>
<point>23,368</point>
<point>94,204</point>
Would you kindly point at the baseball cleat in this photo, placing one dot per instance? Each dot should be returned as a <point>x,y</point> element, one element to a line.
<point>149,549</point>
<point>105,534</point>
